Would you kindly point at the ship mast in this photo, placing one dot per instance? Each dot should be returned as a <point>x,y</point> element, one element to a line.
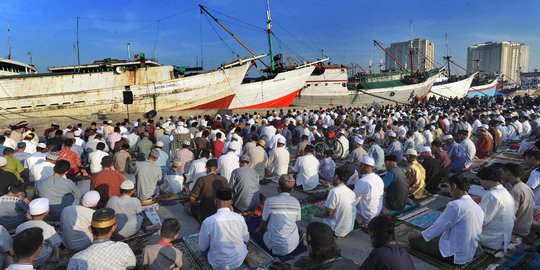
<point>376,43</point>
<point>78,54</point>
<point>269,33</point>
<point>9,41</point>
<point>447,57</point>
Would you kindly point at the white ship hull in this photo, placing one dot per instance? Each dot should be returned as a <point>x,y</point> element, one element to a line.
<point>277,92</point>
<point>457,89</point>
<point>340,96</point>
<point>41,96</point>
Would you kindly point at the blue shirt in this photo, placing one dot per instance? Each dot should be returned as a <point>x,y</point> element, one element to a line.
<point>456,152</point>
<point>388,178</point>
<point>377,153</point>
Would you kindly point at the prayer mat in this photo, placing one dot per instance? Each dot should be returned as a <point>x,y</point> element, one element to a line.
<point>319,191</point>
<point>479,262</point>
<point>309,210</point>
<point>421,218</point>
<point>262,257</point>
<point>407,209</point>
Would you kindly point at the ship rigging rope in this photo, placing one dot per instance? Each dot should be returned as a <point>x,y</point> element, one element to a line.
<point>302,29</point>
<point>217,33</point>
<point>377,96</point>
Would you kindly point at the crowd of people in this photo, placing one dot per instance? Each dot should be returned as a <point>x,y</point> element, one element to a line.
<point>392,156</point>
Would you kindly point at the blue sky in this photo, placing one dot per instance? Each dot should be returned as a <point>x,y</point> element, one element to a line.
<point>343,28</point>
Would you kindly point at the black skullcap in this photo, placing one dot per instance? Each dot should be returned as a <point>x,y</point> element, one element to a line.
<point>103,218</point>
<point>224,194</point>
<point>390,158</point>
<point>319,234</point>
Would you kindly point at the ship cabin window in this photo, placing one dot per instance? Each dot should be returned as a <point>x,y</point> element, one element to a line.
<point>326,84</point>
<point>342,70</point>
<point>343,85</point>
<point>316,84</point>
<point>308,85</point>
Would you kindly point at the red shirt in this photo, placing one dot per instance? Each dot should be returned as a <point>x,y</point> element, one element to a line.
<point>73,159</point>
<point>107,184</point>
<point>217,148</point>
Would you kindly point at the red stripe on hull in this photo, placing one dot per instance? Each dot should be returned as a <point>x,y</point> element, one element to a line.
<point>222,103</point>
<point>284,101</point>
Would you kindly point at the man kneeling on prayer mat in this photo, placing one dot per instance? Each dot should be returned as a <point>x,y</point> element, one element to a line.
<point>459,227</point>
<point>340,205</point>
<point>203,194</point>
<point>76,219</point>
<point>50,251</point>
<point>103,253</point>
<point>278,230</point>
<point>369,191</point>
<point>224,235</point>
<point>129,212</point>
<point>164,255</point>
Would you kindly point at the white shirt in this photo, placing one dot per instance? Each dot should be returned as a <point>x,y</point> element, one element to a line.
<point>224,234</point>
<point>526,132</point>
<point>196,171</point>
<point>95,161</point>
<point>227,163</point>
<point>20,266</point>
<point>31,146</point>
<point>41,170</point>
<point>307,168</point>
<point>460,225</point>
<point>500,214</point>
<point>369,191</point>
<point>534,183</point>
<point>278,161</point>
<point>273,142</point>
<point>342,200</point>
<point>33,159</point>
<point>281,212</point>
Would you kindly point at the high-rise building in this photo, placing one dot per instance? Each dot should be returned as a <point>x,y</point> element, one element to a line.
<point>422,56</point>
<point>508,58</point>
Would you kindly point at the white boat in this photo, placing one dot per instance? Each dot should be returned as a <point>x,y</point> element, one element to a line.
<point>330,88</point>
<point>279,91</point>
<point>457,89</point>
<point>11,67</point>
<point>153,87</point>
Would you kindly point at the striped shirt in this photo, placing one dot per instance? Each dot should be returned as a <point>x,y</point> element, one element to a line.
<point>281,212</point>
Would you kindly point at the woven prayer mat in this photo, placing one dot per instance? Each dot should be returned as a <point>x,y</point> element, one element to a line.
<point>319,192</point>
<point>420,218</point>
<point>262,257</point>
<point>310,209</point>
<point>480,262</point>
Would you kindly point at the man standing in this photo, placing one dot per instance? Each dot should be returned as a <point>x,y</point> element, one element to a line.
<point>224,235</point>
<point>75,221</point>
<point>204,192</point>
<point>340,206</point>
<point>103,253</point>
<point>416,176</point>
<point>148,175</point>
<point>500,212</point>
<point>369,191</point>
<point>245,185</point>
<point>459,227</point>
<point>278,230</point>
<point>307,170</point>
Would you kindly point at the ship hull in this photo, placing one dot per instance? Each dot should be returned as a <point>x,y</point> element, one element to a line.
<point>457,89</point>
<point>483,90</point>
<point>277,92</point>
<point>42,96</point>
<point>381,96</point>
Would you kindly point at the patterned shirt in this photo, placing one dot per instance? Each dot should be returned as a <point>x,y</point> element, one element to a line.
<point>104,254</point>
<point>73,159</point>
<point>12,211</point>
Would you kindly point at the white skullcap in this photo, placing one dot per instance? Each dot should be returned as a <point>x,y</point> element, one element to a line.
<point>160,144</point>
<point>124,135</point>
<point>99,131</point>
<point>90,198</point>
<point>41,145</point>
<point>3,161</point>
<point>109,121</point>
<point>127,185</point>
<point>484,126</point>
<point>392,134</point>
<point>77,133</point>
<point>358,140</point>
<point>39,206</point>
<point>234,145</point>
<point>411,152</point>
<point>235,136</point>
<point>448,137</point>
<point>425,149</point>
<point>324,126</point>
<point>282,140</point>
<point>367,160</point>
